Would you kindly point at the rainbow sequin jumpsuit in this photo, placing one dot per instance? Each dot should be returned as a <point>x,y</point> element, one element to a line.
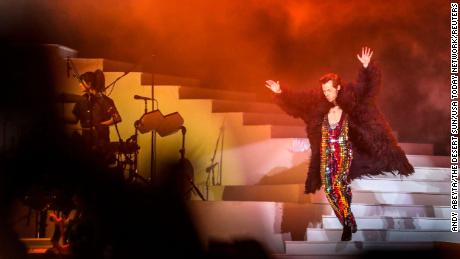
<point>336,157</point>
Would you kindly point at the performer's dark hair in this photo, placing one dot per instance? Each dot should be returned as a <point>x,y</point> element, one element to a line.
<point>96,79</point>
<point>331,76</point>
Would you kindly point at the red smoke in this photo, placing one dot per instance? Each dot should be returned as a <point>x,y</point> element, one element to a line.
<point>239,44</point>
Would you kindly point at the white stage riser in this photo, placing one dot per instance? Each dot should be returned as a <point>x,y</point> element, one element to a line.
<point>398,198</point>
<point>364,210</point>
<point>421,173</point>
<point>359,210</point>
<point>429,161</point>
<point>402,186</point>
<point>383,235</point>
<point>350,247</point>
<point>392,223</point>
<point>273,223</point>
<point>295,193</point>
<point>427,174</point>
<point>417,149</point>
<point>277,195</point>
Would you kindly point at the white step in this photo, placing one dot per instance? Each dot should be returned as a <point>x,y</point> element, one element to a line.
<point>294,193</point>
<point>430,161</point>
<point>363,210</point>
<point>395,198</point>
<point>417,148</point>
<point>398,223</point>
<point>239,106</point>
<point>270,119</point>
<point>319,234</point>
<point>372,191</point>
<point>162,79</point>
<point>337,248</point>
<point>403,186</point>
<point>213,93</point>
<point>359,210</point>
<point>422,173</point>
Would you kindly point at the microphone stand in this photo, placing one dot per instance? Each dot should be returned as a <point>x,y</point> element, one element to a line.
<point>116,80</point>
<point>125,73</point>
<point>154,133</point>
<point>72,67</point>
<point>213,164</point>
<point>210,169</point>
<point>222,132</point>
<point>118,133</point>
<point>184,162</point>
<point>133,173</point>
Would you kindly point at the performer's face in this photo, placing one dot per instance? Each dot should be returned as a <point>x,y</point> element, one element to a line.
<point>330,92</point>
<point>84,86</point>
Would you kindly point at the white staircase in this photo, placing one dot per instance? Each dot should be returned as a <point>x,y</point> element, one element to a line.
<point>391,223</point>
<point>392,213</point>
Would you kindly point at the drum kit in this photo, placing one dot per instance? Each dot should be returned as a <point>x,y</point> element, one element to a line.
<point>126,151</point>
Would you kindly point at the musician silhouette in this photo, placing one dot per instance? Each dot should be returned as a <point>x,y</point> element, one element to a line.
<point>95,112</point>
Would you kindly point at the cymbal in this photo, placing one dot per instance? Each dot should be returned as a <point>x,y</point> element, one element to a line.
<point>163,124</point>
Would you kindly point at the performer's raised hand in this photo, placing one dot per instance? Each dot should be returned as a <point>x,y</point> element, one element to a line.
<point>274,86</point>
<point>365,57</point>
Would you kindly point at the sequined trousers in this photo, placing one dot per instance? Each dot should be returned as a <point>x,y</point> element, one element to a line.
<point>336,158</point>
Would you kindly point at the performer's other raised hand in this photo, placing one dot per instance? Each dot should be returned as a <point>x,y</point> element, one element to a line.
<point>274,86</point>
<point>365,57</point>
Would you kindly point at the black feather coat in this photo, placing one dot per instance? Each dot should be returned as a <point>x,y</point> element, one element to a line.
<point>375,149</point>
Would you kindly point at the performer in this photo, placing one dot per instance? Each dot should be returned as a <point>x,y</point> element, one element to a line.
<point>96,112</point>
<point>348,134</point>
<point>60,236</point>
<point>74,233</point>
